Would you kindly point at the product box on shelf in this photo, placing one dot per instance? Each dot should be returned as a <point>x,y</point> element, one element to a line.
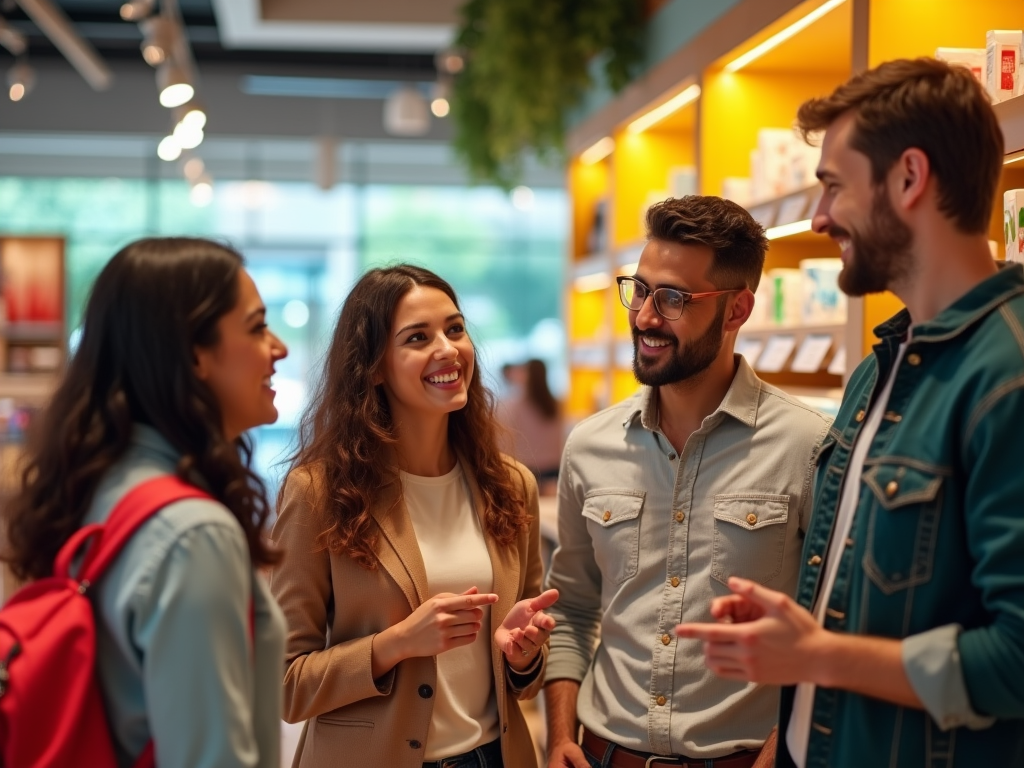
<point>972,58</point>
<point>1013,224</point>
<point>762,313</point>
<point>787,296</point>
<point>1002,63</point>
<point>738,189</point>
<point>771,169</point>
<point>823,302</point>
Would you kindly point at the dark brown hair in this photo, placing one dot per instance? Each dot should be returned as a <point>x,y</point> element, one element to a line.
<point>738,242</point>
<point>347,429</point>
<point>152,304</point>
<point>939,109</point>
<point>537,391</point>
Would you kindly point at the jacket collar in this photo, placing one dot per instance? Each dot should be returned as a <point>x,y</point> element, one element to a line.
<point>740,401</point>
<point>978,302</point>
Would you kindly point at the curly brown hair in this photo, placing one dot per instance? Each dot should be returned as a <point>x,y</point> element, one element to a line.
<point>347,428</point>
<point>151,306</point>
<point>929,105</point>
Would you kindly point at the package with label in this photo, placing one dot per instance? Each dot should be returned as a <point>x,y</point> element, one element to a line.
<point>737,189</point>
<point>775,147</point>
<point>1002,63</point>
<point>1013,224</point>
<point>787,296</point>
<point>823,302</point>
<point>972,58</point>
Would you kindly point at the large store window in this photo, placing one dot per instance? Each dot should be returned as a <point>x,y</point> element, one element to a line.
<point>305,247</point>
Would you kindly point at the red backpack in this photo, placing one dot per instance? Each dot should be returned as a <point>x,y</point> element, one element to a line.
<point>51,710</point>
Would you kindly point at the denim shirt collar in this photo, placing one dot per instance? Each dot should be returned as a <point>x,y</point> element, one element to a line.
<point>961,314</point>
<point>740,401</point>
<point>149,439</point>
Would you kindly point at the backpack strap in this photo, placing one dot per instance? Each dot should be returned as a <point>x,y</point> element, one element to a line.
<point>108,539</point>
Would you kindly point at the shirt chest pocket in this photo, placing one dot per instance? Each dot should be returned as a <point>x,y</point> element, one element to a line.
<point>750,536</point>
<point>613,518</point>
<point>903,527</point>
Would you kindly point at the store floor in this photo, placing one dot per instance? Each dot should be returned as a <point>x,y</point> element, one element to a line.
<point>533,711</point>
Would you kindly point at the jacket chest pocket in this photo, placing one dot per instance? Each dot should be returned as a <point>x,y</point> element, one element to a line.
<point>750,536</point>
<point>906,503</point>
<point>614,524</point>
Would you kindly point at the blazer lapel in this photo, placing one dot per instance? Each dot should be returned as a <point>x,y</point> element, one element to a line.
<point>402,558</point>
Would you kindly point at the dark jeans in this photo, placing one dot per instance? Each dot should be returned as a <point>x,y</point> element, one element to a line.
<point>487,756</point>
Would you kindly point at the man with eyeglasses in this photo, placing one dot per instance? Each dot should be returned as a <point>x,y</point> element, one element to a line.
<point>704,474</point>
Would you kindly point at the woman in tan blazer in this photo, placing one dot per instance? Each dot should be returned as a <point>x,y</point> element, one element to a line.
<point>411,571</point>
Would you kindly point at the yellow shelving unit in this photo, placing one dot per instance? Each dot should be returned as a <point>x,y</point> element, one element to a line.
<point>716,133</point>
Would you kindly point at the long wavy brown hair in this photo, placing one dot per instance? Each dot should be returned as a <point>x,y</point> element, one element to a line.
<point>151,306</point>
<point>347,429</point>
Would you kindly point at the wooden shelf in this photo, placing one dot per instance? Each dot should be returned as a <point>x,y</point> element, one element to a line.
<point>34,388</point>
<point>801,332</point>
<point>30,332</point>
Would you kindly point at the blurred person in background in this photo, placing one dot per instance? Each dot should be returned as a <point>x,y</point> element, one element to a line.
<point>411,575</point>
<point>533,418</point>
<point>174,365</point>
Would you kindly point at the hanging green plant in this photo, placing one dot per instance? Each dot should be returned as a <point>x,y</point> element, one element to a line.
<point>526,66</point>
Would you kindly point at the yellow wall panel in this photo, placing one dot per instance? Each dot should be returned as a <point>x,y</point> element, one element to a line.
<point>588,315</point>
<point>624,385</point>
<point>587,185</point>
<point>587,393</point>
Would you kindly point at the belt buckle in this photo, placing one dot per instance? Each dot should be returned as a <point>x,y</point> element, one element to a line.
<point>666,758</point>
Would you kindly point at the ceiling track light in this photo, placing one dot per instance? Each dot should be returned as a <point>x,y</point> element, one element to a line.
<point>20,79</point>
<point>440,99</point>
<point>11,39</point>
<point>174,85</point>
<point>137,10</point>
<point>158,38</point>
<point>449,61</point>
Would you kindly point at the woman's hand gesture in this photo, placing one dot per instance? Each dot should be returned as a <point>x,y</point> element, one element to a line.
<point>525,629</point>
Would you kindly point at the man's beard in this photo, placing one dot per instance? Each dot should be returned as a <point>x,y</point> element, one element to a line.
<point>880,254</point>
<point>682,364</point>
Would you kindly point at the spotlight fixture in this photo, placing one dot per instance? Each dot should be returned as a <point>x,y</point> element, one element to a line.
<point>193,168</point>
<point>187,136</point>
<point>20,79</point>
<point>158,34</point>
<point>173,84</point>
<point>168,149</point>
<point>11,39</point>
<point>202,192</point>
<point>406,112</point>
<point>449,61</point>
<point>137,10</point>
<point>192,114</point>
<point>440,104</point>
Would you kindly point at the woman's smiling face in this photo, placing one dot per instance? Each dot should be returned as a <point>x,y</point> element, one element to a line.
<point>429,360</point>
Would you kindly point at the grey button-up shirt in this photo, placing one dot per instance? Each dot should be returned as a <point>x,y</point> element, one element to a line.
<point>647,539</point>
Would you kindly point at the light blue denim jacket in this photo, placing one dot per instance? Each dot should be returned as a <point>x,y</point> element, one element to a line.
<point>173,647</point>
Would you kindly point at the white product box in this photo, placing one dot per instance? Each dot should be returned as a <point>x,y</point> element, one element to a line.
<point>803,165</point>
<point>787,296</point>
<point>682,180</point>
<point>972,58</point>
<point>738,189</point>
<point>1013,218</point>
<point>823,302</point>
<point>1002,63</point>
<point>776,147</point>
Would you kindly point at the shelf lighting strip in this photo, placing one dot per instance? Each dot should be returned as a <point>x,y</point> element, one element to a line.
<point>598,151</point>
<point>670,107</point>
<point>780,37</point>
<point>785,230</point>
<point>596,281</point>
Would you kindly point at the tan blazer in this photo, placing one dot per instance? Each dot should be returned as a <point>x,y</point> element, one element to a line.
<point>334,607</point>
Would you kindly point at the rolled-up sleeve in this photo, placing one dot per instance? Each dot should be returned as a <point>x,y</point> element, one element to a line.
<point>932,663</point>
<point>576,576</point>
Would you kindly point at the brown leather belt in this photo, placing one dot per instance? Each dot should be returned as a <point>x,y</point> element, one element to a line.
<point>628,758</point>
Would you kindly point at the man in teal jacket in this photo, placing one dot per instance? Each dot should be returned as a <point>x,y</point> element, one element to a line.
<point>905,644</point>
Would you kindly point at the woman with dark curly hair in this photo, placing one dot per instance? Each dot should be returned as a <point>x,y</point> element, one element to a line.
<point>173,366</point>
<point>411,574</point>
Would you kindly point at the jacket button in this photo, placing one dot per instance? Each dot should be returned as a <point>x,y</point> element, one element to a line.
<point>859,417</point>
<point>815,560</point>
<point>426,691</point>
<point>665,639</point>
<point>675,581</point>
<point>891,488</point>
<point>680,517</point>
<point>752,518</point>
<point>893,416</point>
<point>415,744</point>
<point>606,516</point>
<point>914,359</point>
<point>661,701</point>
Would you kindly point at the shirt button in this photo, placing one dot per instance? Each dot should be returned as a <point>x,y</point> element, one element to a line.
<point>661,701</point>
<point>671,457</point>
<point>893,416</point>
<point>665,639</point>
<point>752,518</point>
<point>859,417</point>
<point>606,516</point>
<point>415,744</point>
<point>815,560</point>
<point>675,581</point>
<point>891,488</point>
<point>680,517</point>
<point>425,691</point>
<point>914,359</point>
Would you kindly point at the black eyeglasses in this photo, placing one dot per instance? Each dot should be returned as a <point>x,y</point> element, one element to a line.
<point>668,302</point>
